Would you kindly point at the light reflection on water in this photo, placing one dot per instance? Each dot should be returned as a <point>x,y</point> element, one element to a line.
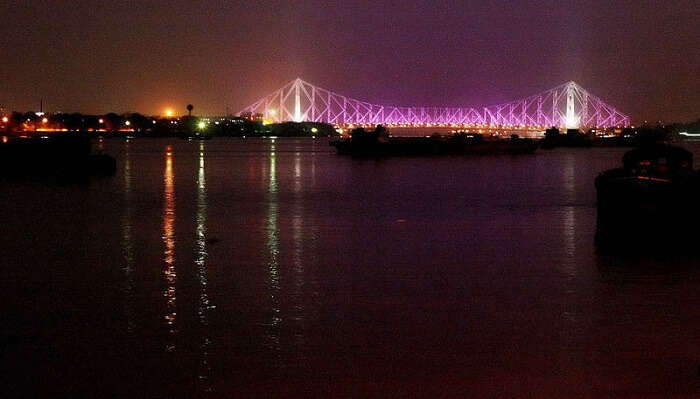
<point>298,232</point>
<point>170,272</point>
<point>273,251</point>
<point>490,285</point>
<point>127,243</point>
<point>569,264</point>
<point>204,305</point>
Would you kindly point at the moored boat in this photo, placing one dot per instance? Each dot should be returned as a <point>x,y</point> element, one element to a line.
<point>378,143</point>
<point>64,156</point>
<point>651,202</point>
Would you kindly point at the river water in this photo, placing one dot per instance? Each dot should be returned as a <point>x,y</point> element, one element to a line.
<point>276,268</point>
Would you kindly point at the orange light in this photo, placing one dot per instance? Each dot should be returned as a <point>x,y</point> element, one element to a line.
<point>4,119</point>
<point>168,112</point>
<point>44,120</point>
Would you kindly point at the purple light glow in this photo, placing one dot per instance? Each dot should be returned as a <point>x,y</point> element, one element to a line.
<point>567,105</point>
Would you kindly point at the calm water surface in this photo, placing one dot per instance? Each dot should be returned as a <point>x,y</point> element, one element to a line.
<point>261,268</point>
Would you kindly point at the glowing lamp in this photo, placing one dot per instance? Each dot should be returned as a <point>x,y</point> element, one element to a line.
<point>201,125</point>
<point>168,112</point>
<point>44,120</point>
<point>314,130</point>
<point>4,119</point>
<point>128,123</point>
<point>101,120</point>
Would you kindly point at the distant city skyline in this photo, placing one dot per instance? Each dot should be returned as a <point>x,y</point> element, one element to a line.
<point>98,57</point>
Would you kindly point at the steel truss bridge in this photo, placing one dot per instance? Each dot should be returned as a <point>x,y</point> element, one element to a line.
<point>565,106</point>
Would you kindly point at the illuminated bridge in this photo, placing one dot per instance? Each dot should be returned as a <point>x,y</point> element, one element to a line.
<point>565,106</point>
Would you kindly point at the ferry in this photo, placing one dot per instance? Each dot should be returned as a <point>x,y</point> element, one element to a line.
<point>379,143</point>
<point>66,156</point>
<point>652,199</point>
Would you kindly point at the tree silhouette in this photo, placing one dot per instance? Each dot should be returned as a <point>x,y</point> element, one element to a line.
<point>189,109</point>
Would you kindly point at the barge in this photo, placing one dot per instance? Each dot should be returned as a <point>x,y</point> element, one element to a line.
<point>649,203</point>
<point>378,143</point>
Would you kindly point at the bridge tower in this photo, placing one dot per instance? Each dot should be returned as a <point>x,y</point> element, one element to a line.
<point>572,122</point>
<point>297,100</point>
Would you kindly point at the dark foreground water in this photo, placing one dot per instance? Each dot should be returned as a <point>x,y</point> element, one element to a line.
<point>260,268</point>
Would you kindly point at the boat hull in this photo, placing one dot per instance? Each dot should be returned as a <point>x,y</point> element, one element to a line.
<point>645,213</point>
<point>418,146</point>
<point>67,157</point>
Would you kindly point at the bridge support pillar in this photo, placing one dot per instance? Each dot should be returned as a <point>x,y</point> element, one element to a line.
<point>297,101</point>
<point>571,120</point>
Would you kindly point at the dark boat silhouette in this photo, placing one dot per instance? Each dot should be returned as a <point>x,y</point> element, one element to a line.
<point>63,156</point>
<point>377,142</point>
<point>651,202</point>
<point>573,138</point>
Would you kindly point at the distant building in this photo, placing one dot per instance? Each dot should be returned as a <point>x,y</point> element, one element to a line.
<point>256,117</point>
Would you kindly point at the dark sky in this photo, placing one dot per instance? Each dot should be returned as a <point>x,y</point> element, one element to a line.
<point>98,56</point>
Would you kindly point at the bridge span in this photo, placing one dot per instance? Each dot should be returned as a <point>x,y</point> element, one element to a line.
<point>565,106</point>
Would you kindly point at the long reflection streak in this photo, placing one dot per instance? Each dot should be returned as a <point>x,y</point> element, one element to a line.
<point>297,236</point>
<point>273,251</point>
<point>569,228</point>
<point>204,305</point>
<point>569,217</point>
<point>170,272</point>
<point>127,243</point>
<point>297,233</point>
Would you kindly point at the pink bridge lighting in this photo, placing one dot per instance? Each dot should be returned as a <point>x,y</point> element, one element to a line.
<point>566,106</point>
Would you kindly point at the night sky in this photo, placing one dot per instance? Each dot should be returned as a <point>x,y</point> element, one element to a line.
<point>143,56</point>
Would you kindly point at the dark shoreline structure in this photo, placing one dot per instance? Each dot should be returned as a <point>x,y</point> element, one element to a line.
<point>63,157</point>
<point>650,204</point>
<point>628,137</point>
<point>379,143</point>
<point>19,124</point>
